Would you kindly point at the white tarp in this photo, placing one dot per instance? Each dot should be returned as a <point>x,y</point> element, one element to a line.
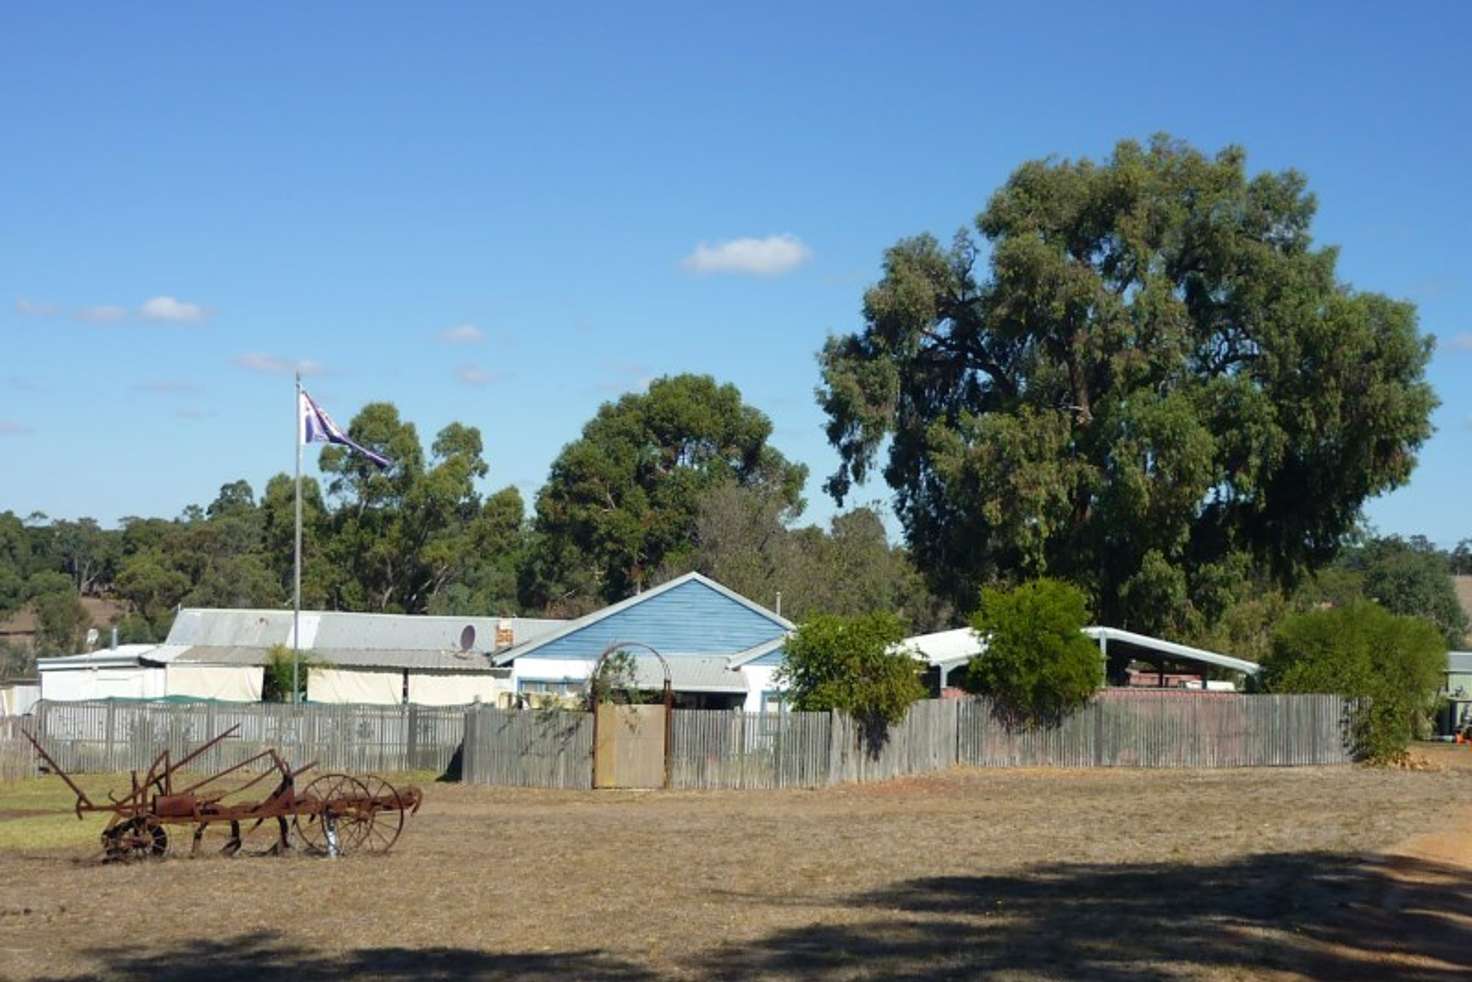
<point>232,683</point>
<point>17,699</point>
<point>335,685</point>
<point>124,682</point>
<point>454,688</point>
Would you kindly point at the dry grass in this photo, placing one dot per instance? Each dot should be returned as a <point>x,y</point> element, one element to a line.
<point>1023,874</point>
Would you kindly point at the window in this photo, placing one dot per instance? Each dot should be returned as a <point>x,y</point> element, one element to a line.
<point>773,701</point>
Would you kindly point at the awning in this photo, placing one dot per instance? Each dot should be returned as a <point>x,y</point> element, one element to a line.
<point>689,673</point>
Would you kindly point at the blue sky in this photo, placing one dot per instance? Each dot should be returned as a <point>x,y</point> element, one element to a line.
<point>194,199</point>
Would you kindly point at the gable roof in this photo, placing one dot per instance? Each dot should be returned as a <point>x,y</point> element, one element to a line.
<point>572,627</point>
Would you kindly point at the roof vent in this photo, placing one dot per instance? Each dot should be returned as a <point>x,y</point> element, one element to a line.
<point>467,637</point>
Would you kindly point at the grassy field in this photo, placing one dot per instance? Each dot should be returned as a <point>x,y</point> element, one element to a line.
<point>1284,873</point>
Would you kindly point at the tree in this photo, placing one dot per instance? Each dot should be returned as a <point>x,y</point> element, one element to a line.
<point>1394,662</point>
<point>154,589</point>
<point>1461,558</point>
<point>622,499</point>
<point>61,622</point>
<point>1038,664</point>
<point>744,539</point>
<point>1161,380</point>
<point>1410,577</point>
<point>404,534</point>
<point>854,665</point>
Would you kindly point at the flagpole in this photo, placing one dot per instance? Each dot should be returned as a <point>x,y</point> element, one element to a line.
<point>296,592</point>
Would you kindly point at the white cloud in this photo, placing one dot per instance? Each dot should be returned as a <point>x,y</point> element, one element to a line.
<point>104,313</point>
<point>170,309</point>
<point>475,375</point>
<point>9,427</point>
<point>772,256</point>
<point>1460,342</point>
<point>274,365</point>
<point>32,309</point>
<point>462,334</point>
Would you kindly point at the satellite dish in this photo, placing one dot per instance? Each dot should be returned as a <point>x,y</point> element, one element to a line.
<point>91,638</point>
<point>467,637</point>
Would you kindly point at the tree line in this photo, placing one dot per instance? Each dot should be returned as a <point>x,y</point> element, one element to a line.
<point>1140,376</point>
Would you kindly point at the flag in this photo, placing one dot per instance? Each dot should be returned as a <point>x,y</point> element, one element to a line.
<point>315,426</point>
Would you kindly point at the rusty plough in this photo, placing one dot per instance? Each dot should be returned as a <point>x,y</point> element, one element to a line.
<point>334,815</point>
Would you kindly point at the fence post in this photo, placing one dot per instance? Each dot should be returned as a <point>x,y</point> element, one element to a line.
<point>833,748</point>
<point>412,748</point>
<point>110,764</point>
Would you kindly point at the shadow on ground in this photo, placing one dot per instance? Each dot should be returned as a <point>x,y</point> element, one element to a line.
<point>262,956</point>
<point>1327,916</point>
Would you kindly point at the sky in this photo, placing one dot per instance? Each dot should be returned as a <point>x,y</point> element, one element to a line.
<point>506,216</point>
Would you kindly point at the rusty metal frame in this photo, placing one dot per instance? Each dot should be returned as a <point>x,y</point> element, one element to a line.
<point>136,819</point>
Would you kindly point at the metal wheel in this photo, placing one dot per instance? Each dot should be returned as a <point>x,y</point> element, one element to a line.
<point>343,809</point>
<point>388,815</point>
<point>136,838</point>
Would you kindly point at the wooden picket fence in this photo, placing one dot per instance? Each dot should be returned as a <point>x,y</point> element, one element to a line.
<point>536,748</point>
<point>112,735</point>
<point>1119,728</point>
<point>710,748</point>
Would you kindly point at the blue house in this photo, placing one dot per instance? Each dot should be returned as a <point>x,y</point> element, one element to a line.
<point>722,649</point>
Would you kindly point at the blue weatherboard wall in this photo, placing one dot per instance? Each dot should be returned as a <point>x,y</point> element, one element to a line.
<point>690,619</point>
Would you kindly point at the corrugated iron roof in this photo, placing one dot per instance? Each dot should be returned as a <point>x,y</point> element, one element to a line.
<point>1459,661</point>
<point>122,655</point>
<point>689,673</point>
<point>343,630</point>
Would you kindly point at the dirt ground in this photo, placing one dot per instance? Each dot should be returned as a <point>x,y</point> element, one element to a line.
<point>1326,873</point>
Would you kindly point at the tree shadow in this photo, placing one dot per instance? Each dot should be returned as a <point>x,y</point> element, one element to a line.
<point>1331,916</point>
<point>264,955</point>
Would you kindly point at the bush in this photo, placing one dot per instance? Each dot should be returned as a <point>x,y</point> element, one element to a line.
<point>1394,662</point>
<point>1038,665</point>
<point>852,664</point>
<point>276,683</point>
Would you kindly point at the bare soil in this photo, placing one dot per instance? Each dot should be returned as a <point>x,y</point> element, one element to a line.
<point>1326,873</point>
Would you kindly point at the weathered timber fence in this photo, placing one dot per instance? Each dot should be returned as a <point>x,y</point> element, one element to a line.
<point>17,756</point>
<point>1125,728</point>
<point>528,748</point>
<point>1119,728</point>
<point>716,749</point>
<point>111,736</point>
<point>710,748</point>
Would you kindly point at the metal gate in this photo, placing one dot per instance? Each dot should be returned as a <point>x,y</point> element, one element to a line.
<point>629,749</point>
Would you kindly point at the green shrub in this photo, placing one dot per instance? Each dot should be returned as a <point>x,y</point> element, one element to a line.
<point>276,684</point>
<point>1394,662</point>
<point>852,664</point>
<point>1038,665</point>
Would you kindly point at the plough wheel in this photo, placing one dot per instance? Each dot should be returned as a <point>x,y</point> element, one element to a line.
<point>388,818</point>
<point>136,838</point>
<point>344,805</point>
